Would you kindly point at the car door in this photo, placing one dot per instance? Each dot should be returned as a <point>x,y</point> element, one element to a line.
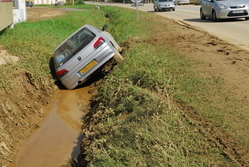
<point>207,7</point>
<point>156,5</point>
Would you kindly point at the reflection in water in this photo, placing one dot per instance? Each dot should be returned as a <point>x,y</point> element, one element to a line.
<point>58,138</point>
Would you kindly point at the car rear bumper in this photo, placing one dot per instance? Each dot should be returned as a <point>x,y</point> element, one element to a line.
<point>73,79</point>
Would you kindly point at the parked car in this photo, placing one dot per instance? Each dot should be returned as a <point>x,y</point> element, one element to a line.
<point>29,4</point>
<point>160,5</point>
<point>84,52</point>
<point>181,2</point>
<point>224,9</point>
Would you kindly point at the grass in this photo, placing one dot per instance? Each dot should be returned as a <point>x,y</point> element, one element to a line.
<point>142,127</point>
<point>135,121</point>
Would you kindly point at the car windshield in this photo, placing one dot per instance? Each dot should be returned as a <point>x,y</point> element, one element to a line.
<point>73,45</point>
<point>165,0</point>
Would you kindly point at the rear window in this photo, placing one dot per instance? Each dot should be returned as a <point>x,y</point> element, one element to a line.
<point>73,45</point>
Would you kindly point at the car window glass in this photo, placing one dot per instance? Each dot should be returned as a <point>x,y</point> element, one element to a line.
<point>73,45</point>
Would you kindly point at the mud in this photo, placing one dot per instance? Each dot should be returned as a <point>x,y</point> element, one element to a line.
<point>58,138</point>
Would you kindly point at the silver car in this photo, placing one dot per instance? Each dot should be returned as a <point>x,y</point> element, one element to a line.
<point>81,54</point>
<point>160,5</point>
<point>224,9</point>
<point>181,2</point>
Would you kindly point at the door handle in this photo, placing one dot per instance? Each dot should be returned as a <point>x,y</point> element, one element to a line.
<point>79,58</point>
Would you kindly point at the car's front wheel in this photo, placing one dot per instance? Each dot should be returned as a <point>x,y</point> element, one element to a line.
<point>214,17</point>
<point>118,57</point>
<point>202,15</point>
<point>154,8</point>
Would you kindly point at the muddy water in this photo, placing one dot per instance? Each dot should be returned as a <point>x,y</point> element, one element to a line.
<point>58,138</point>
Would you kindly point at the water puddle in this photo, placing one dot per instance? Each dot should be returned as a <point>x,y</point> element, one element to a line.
<point>58,138</point>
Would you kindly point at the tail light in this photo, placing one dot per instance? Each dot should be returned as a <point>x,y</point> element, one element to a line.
<point>61,73</point>
<point>98,43</point>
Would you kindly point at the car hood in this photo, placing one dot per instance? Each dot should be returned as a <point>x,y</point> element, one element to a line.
<point>233,3</point>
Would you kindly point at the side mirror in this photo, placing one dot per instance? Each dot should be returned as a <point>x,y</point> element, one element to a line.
<point>104,27</point>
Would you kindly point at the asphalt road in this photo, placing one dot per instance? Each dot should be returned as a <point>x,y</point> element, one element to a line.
<point>235,31</point>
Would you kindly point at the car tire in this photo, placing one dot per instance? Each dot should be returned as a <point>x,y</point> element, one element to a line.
<point>247,18</point>
<point>174,9</point>
<point>202,15</point>
<point>119,49</point>
<point>214,17</point>
<point>156,9</point>
<point>118,57</point>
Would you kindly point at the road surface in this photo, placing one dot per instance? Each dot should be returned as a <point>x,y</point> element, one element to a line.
<point>235,31</point>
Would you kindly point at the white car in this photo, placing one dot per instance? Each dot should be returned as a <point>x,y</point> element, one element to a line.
<point>160,5</point>
<point>224,9</point>
<point>83,53</point>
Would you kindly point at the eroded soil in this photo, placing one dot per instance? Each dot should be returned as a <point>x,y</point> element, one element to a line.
<point>23,107</point>
<point>222,60</point>
<point>219,59</point>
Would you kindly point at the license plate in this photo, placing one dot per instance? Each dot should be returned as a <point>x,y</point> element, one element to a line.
<point>238,11</point>
<point>88,67</point>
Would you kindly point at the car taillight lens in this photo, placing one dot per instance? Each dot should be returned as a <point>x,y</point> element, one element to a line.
<point>99,42</point>
<point>61,73</point>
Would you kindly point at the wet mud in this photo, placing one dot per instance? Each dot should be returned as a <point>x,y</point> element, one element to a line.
<point>58,138</point>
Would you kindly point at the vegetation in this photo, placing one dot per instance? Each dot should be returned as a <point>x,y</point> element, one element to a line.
<point>134,120</point>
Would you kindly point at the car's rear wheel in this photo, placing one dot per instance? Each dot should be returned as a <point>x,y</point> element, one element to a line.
<point>214,17</point>
<point>202,15</point>
<point>118,57</point>
<point>247,18</point>
<point>119,49</point>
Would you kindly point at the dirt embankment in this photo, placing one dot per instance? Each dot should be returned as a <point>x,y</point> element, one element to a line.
<point>222,60</point>
<point>21,108</point>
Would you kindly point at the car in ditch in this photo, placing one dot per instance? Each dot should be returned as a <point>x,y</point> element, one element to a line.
<point>224,9</point>
<point>160,5</point>
<point>83,53</point>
